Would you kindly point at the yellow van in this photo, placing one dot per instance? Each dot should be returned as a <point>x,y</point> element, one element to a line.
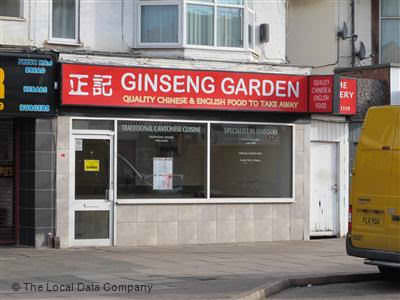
<point>374,211</point>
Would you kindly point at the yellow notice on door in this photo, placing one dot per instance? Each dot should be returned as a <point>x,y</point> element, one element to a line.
<point>92,165</point>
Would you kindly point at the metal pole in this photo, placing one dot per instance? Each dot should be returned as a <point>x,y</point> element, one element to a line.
<point>353,48</point>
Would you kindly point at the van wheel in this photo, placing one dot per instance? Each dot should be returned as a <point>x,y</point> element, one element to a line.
<point>388,272</point>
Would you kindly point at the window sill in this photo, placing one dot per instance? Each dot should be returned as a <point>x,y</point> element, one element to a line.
<point>250,51</point>
<point>205,201</point>
<point>159,46</point>
<point>14,19</point>
<point>179,46</point>
<point>64,43</point>
<point>232,49</point>
<point>203,53</point>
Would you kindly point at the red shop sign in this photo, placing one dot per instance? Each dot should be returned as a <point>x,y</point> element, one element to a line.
<point>321,94</point>
<point>345,95</point>
<point>111,86</point>
<point>348,96</point>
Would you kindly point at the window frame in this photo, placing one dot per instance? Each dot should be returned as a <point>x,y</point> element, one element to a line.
<point>139,5</point>
<point>215,6</point>
<point>140,163</point>
<point>64,41</point>
<point>182,25</point>
<point>381,19</point>
<point>241,146</point>
<point>207,199</point>
<point>13,18</point>
<point>250,11</point>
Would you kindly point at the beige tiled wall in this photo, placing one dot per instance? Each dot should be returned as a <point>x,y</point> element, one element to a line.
<point>172,224</point>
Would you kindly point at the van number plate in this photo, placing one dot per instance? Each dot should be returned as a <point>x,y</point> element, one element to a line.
<point>371,220</point>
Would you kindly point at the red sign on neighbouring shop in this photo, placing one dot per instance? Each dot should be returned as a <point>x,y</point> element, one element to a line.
<point>320,94</point>
<point>347,96</point>
<point>329,93</point>
<point>112,86</point>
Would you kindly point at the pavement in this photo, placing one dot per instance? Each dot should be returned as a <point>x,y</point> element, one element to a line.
<point>245,271</point>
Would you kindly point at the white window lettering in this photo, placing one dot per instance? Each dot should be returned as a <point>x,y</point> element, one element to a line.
<point>267,88</point>
<point>165,83</point>
<point>77,82</point>
<point>151,82</point>
<point>241,87</point>
<point>179,84</point>
<point>102,85</point>
<point>139,82</point>
<point>254,87</point>
<point>227,86</point>
<point>193,84</point>
<point>280,88</point>
<point>208,88</point>
<point>128,82</point>
<point>294,89</point>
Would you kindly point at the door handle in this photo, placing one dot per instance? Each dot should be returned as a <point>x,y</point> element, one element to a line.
<point>334,188</point>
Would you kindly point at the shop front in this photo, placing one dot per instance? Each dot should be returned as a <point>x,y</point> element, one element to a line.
<point>165,175</point>
<point>332,101</point>
<point>156,156</point>
<point>27,148</point>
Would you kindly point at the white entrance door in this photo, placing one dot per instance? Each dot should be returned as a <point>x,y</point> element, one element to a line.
<point>92,203</point>
<point>324,190</point>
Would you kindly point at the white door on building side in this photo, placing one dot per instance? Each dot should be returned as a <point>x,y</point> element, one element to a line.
<point>324,217</point>
<point>92,203</point>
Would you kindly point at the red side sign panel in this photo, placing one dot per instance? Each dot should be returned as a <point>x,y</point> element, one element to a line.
<point>111,86</point>
<point>348,96</point>
<point>320,94</point>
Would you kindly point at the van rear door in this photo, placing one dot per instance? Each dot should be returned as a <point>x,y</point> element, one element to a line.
<point>393,205</point>
<point>372,180</point>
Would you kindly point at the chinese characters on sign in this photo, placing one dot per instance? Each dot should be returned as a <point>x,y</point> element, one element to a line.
<point>182,89</point>
<point>76,83</point>
<point>101,85</point>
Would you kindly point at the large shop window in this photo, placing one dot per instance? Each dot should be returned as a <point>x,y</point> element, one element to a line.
<point>251,161</point>
<point>161,160</point>
<point>390,31</point>
<point>10,8</point>
<point>64,25</point>
<point>169,160</point>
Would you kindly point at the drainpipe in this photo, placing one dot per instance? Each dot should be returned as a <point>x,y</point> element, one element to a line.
<point>353,40</point>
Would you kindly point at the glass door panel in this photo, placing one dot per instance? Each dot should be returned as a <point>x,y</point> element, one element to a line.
<point>93,191</point>
<point>92,169</point>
